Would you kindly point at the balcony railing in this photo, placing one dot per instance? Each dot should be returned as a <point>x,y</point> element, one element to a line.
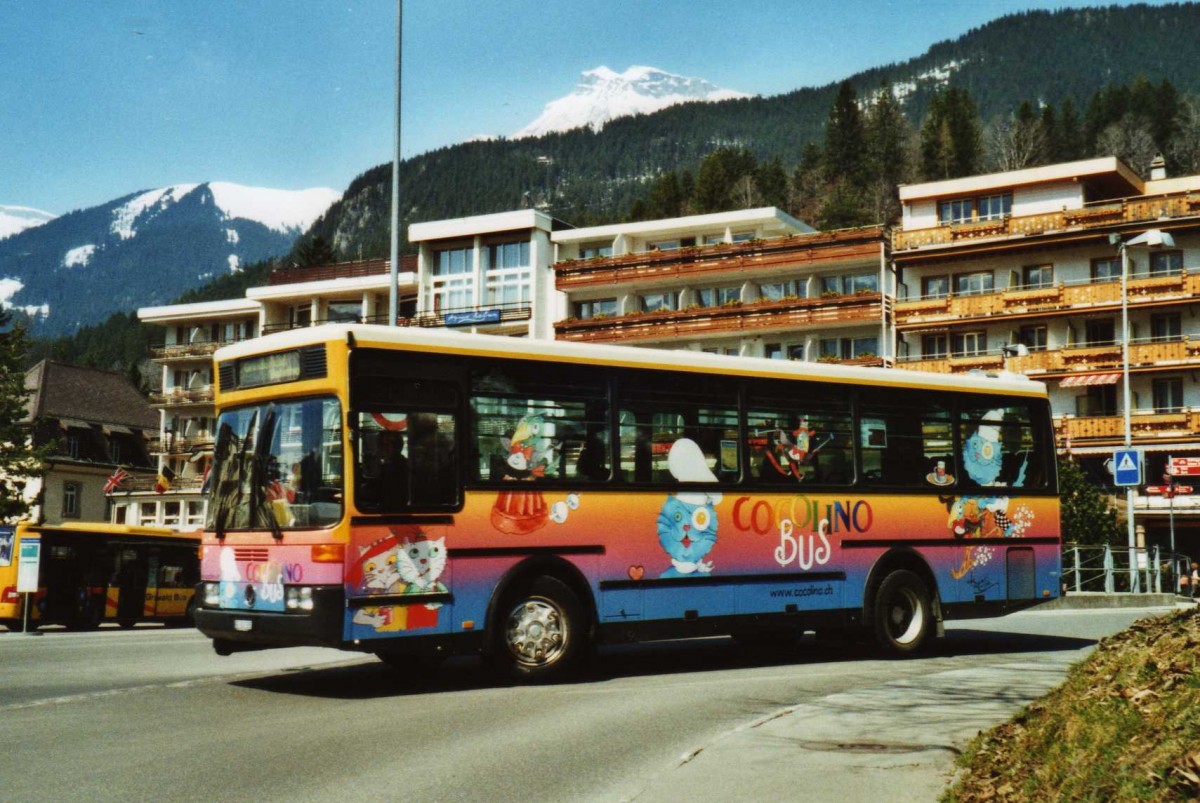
<point>1102,214</point>
<point>788,313</point>
<point>183,445</point>
<point>179,485</point>
<point>1144,425</point>
<point>195,348</point>
<point>340,270</point>
<point>181,396</point>
<point>1062,297</point>
<point>1144,354</point>
<point>487,315</point>
<point>795,251</point>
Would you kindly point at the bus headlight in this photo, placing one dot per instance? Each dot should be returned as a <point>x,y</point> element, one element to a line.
<point>212,595</point>
<point>299,598</point>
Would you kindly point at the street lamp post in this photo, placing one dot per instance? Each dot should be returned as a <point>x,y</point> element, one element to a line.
<point>1148,239</point>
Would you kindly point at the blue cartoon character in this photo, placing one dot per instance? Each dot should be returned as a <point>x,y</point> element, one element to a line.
<point>687,523</point>
<point>983,453</point>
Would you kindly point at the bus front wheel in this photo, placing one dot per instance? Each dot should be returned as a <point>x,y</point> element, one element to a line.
<point>542,634</point>
<point>903,613</point>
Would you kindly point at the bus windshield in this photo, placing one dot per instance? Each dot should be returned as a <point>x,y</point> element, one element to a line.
<point>277,466</point>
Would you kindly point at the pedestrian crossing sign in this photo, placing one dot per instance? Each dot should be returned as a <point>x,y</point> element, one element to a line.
<point>1127,467</point>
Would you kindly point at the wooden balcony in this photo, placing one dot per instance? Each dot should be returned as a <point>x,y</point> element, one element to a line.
<point>785,314</point>
<point>340,270</point>
<point>801,250</point>
<point>1060,363</point>
<point>1055,299</point>
<point>1140,209</point>
<point>1145,426</point>
<point>185,351</point>
<point>180,485</point>
<point>176,446</point>
<point>180,397</point>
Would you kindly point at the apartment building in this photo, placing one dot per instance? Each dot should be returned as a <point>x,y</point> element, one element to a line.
<point>1033,258</point>
<point>754,282</point>
<point>490,274</point>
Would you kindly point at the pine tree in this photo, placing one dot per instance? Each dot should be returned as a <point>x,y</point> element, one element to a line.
<point>316,251</point>
<point>1069,143</point>
<point>951,136</point>
<point>845,139</point>
<point>20,463</point>
<point>771,183</point>
<point>666,198</point>
<point>888,138</point>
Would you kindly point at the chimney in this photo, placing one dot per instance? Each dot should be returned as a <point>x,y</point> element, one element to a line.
<point>1158,168</point>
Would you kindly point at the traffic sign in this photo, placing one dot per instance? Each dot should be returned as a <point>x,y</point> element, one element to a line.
<point>1184,466</point>
<point>1127,467</point>
<point>1168,490</point>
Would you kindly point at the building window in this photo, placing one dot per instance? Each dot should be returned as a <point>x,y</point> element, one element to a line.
<point>72,491</point>
<point>592,250</point>
<point>72,446</point>
<point>796,352</point>
<point>849,348</point>
<point>660,302</point>
<point>1166,263</point>
<point>968,344</point>
<point>995,207</point>
<point>1107,269</point>
<point>453,279</point>
<point>1099,400</point>
<point>596,308</point>
<point>1166,326</point>
<point>1032,337</point>
<point>777,291</point>
<point>718,296</point>
<point>956,211</point>
<point>935,286</point>
<point>1035,276</point>
<point>935,346</point>
<point>1168,395</point>
<point>509,274</point>
<point>148,514</point>
<point>862,283</point>
<point>171,514</point>
<point>114,450</point>
<point>195,514</point>
<point>1099,332</point>
<point>773,351</point>
<point>663,245</point>
<point>973,284</point>
<point>452,262</point>
<point>343,312</point>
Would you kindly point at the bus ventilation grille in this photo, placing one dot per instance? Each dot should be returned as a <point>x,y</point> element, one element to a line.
<point>254,554</point>
<point>226,376</point>
<point>312,362</point>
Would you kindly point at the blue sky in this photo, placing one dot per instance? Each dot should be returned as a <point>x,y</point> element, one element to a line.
<point>100,99</point>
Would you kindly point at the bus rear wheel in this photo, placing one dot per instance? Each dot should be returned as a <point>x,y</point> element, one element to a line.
<point>542,634</point>
<point>903,613</point>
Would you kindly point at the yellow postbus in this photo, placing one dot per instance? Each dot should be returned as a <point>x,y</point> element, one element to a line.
<point>95,572</point>
<point>415,493</point>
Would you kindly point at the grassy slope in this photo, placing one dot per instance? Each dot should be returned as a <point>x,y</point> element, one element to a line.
<point>1124,726</point>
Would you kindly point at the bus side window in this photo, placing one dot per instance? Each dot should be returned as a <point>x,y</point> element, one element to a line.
<point>999,447</point>
<point>799,433</point>
<point>906,443</point>
<point>406,460</point>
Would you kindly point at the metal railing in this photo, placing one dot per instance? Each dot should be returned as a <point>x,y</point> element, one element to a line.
<point>1113,570</point>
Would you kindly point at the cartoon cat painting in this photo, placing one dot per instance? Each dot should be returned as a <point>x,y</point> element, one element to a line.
<point>983,453</point>
<point>687,522</point>
<point>421,563</point>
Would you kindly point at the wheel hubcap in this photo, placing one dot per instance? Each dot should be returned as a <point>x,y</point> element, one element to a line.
<point>536,633</point>
<point>906,616</point>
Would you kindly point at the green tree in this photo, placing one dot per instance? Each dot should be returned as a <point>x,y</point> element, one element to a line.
<point>951,136</point>
<point>771,182</point>
<point>845,139</point>
<point>1087,516</point>
<point>666,197</point>
<point>315,251</point>
<point>718,179</point>
<point>888,139</point>
<point>20,463</point>
<point>1068,140</point>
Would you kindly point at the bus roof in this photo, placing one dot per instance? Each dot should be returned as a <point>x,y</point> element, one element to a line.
<point>453,342</point>
<point>103,528</point>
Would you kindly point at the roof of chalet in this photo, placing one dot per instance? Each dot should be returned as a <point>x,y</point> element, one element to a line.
<point>90,395</point>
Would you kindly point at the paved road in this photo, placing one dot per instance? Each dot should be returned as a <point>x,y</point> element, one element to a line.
<point>153,714</point>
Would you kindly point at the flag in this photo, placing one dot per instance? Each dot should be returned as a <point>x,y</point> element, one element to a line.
<point>165,477</point>
<point>205,485</point>
<point>115,480</point>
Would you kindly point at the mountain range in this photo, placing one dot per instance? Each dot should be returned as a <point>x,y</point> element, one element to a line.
<point>146,248</point>
<point>586,159</point>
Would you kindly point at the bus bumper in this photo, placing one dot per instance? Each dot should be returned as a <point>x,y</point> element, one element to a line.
<point>239,630</point>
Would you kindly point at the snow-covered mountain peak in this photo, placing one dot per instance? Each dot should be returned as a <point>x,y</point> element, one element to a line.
<point>281,210</point>
<point>14,219</point>
<point>603,94</point>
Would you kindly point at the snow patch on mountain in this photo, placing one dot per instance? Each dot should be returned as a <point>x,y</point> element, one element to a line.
<point>235,264</point>
<point>281,210</point>
<point>145,206</point>
<point>603,94</point>
<point>938,76</point>
<point>79,257</point>
<point>15,219</point>
<point>9,288</point>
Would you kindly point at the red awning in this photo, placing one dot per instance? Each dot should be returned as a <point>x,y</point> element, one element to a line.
<point>1090,379</point>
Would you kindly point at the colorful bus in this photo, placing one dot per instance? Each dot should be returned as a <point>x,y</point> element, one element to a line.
<point>95,572</point>
<point>413,493</point>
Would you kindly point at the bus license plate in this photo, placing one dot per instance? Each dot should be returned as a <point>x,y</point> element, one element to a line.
<point>242,625</point>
